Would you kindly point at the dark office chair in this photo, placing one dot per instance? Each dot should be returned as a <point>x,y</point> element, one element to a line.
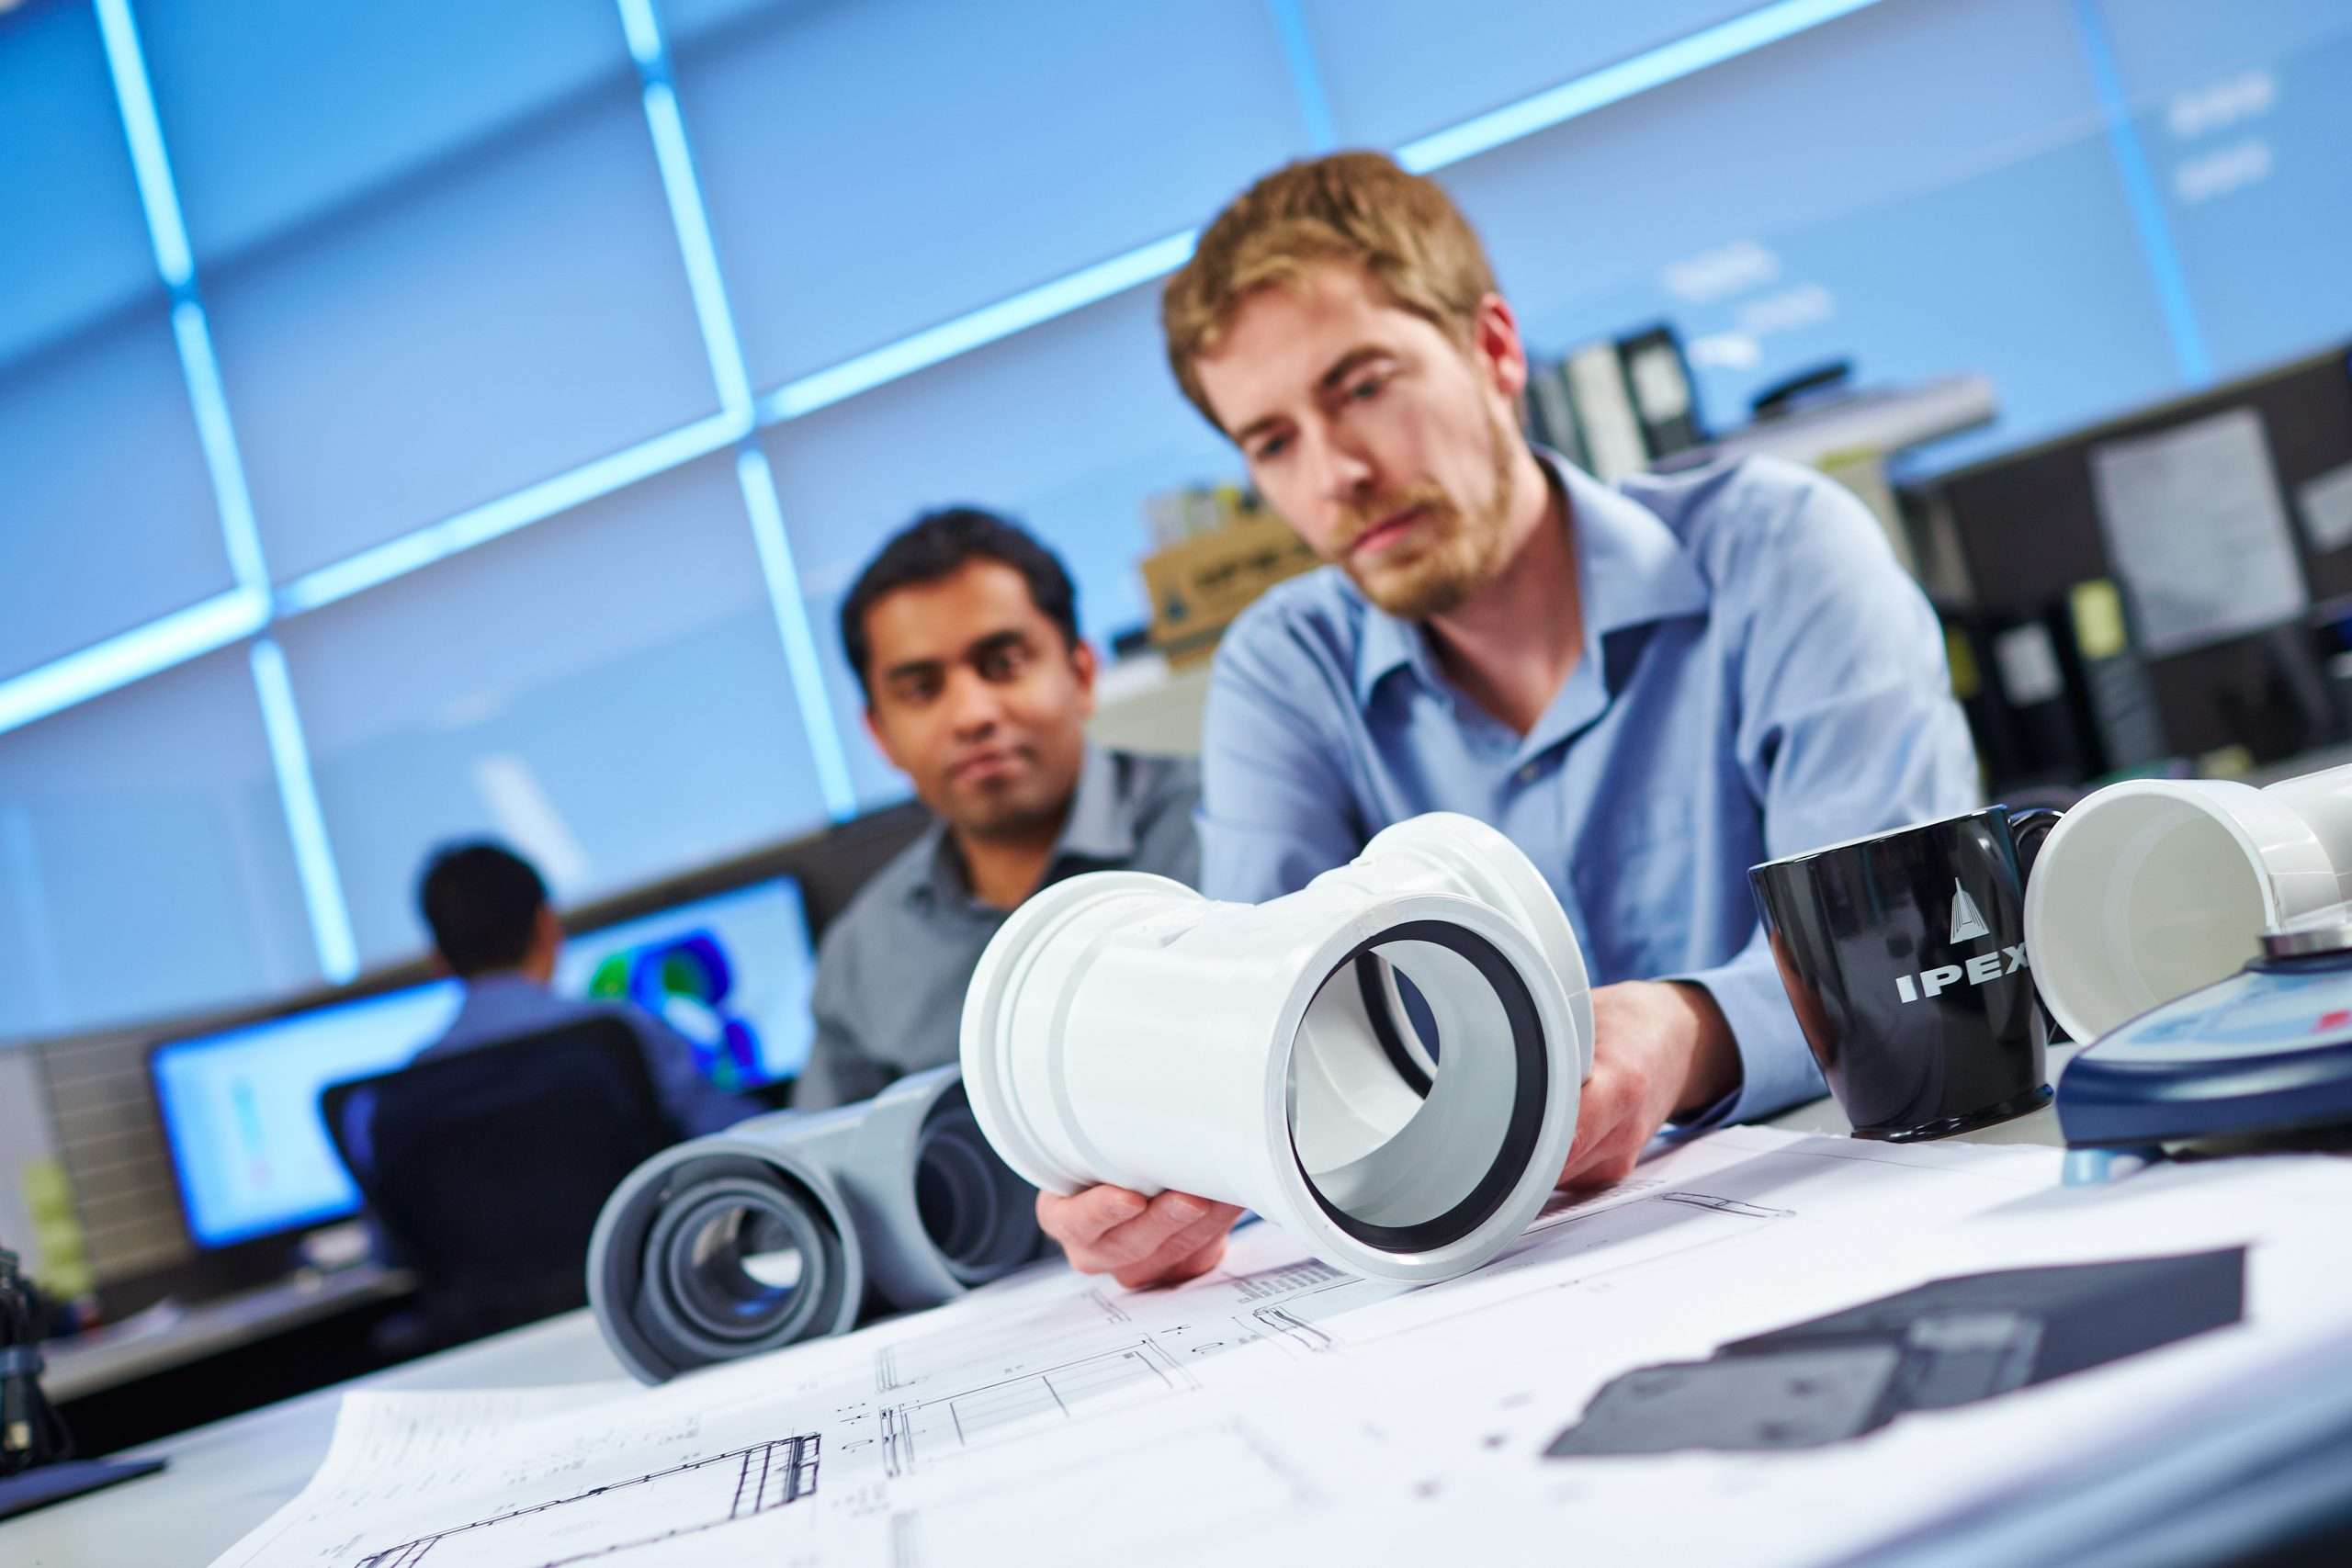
<point>490,1164</point>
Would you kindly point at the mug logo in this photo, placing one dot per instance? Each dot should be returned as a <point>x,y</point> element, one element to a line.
<point>1966,923</point>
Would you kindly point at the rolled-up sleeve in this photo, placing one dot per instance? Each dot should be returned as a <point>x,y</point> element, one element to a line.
<point>1846,727</point>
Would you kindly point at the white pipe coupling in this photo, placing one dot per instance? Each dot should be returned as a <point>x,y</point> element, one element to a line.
<point>2152,888</point>
<point>1386,1063</point>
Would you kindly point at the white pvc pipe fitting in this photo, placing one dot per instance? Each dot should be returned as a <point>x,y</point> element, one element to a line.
<point>2152,888</point>
<point>1120,1028</point>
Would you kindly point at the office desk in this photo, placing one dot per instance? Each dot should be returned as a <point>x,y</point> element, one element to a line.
<point>226,1478</point>
<point>139,1348</point>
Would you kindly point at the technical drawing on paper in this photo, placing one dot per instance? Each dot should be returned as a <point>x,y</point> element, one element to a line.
<point>607,1520</point>
<point>962,1350</point>
<point>971,1417</point>
<point>1725,1205</point>
<point>1302,1408</point>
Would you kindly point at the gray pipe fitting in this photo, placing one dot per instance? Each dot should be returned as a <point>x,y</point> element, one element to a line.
<point>769,1233</point>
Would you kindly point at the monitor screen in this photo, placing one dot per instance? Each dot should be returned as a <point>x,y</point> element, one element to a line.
<point>241,1108</point>
<point>732,972</point>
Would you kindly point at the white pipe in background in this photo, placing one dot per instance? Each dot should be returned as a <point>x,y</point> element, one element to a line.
<point>2152,888</point>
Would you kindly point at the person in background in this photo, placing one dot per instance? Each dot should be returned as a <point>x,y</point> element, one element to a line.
<point>1649,686</point>
<point>493,929</point>
<point>964,634</point>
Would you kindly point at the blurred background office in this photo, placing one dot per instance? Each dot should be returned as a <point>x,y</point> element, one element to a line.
<point>439,419</point>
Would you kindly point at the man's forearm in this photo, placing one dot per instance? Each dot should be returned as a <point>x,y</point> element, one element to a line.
<point>1714,1073</point>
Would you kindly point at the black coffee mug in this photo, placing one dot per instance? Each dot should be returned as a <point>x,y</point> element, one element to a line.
<point>1904,954</point>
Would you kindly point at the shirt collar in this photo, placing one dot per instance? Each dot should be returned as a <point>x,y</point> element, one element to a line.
<point>1634,573</point>
<point>498,991</point>
<point>1099,828</point>
<point>503,983</point>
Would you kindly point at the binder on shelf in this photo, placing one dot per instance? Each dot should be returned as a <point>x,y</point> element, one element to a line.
<point>1615,446</point>
<point>1551,412</point>
<point>2118,698</point>
<point>1665,402</point>
<point>2056,695</point>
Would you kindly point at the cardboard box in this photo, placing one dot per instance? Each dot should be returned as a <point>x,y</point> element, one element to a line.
<point>1199,584</point>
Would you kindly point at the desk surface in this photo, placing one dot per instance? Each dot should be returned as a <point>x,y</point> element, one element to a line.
<point>226,1478</point>
<point>157,1340</point>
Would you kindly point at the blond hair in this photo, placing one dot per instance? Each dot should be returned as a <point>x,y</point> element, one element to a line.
<point>1356,207</point>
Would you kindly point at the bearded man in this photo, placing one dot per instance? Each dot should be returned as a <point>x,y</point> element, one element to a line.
<point>1648,687</point>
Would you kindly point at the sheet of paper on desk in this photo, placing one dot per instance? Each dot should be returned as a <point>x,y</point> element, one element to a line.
<point>1278,1403</point>
<point>2197,530</point>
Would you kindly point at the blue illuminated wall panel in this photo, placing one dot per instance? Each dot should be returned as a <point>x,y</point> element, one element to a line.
<point>875,168</point>
<point>607,692</point>
<point>525,313</point>
<point>277,112</point>
<point>144,865</point>
<point>2245,118</point>
<point>1394,70</point>
<point>1919,222</point>
<point>69,209</point>
<point>1067,427</point>
<point>106,512</point>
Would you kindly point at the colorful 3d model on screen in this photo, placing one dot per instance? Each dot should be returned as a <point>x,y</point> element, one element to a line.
<point>686,980</point>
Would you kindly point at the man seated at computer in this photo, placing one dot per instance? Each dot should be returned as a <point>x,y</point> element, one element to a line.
<point>493,929</point>
<point>964,633</point>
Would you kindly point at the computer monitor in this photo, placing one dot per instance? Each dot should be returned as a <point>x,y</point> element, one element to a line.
<point>733,972</point>
<point>240,1109</point>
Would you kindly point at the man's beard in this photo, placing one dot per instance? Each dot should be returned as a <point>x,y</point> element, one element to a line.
<point>1464,550</point>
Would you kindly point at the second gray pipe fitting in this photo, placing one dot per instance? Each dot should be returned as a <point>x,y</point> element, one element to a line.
<point>769,1233</point>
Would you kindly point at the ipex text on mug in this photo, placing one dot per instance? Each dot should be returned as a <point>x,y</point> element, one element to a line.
<point>1966,924</point>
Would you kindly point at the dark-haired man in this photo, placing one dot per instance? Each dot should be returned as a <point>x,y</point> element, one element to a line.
<point>964,634</point>
<point>493,929</point>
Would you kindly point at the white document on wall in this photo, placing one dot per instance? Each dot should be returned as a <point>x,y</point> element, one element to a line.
<point>1624,1374</point>
<point>2327,509</point>
<point>2198,531</point>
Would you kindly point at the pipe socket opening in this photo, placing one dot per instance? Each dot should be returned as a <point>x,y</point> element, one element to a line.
<point>2145,899</point>
<point>975,1212</point>
<point>1417,1085</point>
<point>742,1258</point>
<point>743,1265</point>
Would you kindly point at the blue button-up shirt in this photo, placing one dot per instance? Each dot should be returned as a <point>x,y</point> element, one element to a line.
<point>1759,677</point>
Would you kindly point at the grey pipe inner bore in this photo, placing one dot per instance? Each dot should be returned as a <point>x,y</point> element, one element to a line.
<point>697,1286</point>
<point>1401,1160</point>
<point>974,1209</point>
<point>775,1231</point>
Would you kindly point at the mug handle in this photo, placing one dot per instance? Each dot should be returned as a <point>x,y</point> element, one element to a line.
<point>2029,829</point>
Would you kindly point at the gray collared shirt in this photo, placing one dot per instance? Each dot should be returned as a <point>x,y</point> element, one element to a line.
<point>893,969</point>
